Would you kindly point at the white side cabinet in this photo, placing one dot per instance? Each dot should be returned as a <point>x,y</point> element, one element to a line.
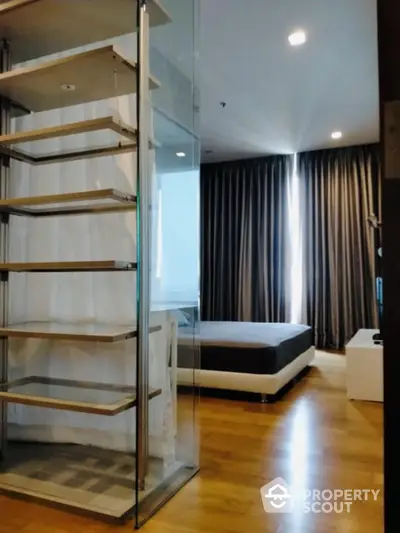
<point>364,367</point>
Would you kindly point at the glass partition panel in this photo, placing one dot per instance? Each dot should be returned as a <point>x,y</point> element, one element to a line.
<point>173,352</point>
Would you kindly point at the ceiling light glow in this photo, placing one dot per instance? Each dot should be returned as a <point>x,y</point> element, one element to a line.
<point>297,38</point>
<point>180,154</point>
<point>337,135</point>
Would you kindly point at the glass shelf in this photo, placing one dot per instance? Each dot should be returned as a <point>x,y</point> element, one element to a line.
<point>76,203</point>
<point>69,266</point>
<point>69,395</point>
<point>9,144</point>
<point>72,332</point>
<point>36,29</point>
<point>40,88</point>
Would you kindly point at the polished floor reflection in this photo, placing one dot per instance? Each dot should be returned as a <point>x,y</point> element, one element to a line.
<point>314,438</point>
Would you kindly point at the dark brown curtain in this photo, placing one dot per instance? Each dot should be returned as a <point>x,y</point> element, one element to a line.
<point>244,245</point>
<point>339,189</point>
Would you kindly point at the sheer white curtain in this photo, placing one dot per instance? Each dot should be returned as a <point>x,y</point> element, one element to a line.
<point>295,245</point>
<point>108,298</point>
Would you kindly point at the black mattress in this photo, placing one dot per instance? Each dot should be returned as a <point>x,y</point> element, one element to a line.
<point>244,347</point>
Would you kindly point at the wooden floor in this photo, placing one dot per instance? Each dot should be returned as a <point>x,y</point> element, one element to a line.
<point>314,438</point>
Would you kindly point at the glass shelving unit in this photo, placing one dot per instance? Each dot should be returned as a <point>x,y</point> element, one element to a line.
<point>90,414</point>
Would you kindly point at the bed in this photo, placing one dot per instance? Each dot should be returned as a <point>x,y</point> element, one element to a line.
<point>251,357</point>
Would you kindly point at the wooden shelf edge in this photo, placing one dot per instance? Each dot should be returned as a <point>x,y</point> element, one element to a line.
<point>23,206</point>
<point>68,266</point>
<point>108,409</point>
<point>37,330</point>
<point>72,128</point>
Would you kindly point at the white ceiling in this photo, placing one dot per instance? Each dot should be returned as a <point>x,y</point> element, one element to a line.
<point>282,99</point>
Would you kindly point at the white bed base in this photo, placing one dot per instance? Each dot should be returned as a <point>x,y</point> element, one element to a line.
<point>236,381</point>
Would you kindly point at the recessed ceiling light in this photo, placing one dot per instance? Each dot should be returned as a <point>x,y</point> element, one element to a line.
<point>337,135</point>
<point>180,154</point>
<point>68,87</point>
<point>297,38</point>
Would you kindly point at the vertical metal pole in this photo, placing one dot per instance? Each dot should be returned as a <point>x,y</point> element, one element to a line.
<point>5,121</point>
<point>196,161</point>
<point>143,245</point>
